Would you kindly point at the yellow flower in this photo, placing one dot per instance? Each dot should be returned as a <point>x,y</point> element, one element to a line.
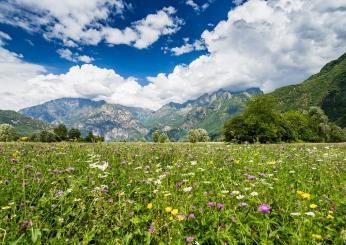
<point>150,206</point>
<point>300,192</point>
<point>330,212</point>
<point>171,218</point>
<point>168,209</point>
<point>175,212</point>
<point>180,217</point>
<point>306,196</point>
<point>316,237</point>
<point>329,216</point>
<point>313,206</point>
<point>272,162</point>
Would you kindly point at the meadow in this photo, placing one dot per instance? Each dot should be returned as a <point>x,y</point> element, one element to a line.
<point>142,193</point>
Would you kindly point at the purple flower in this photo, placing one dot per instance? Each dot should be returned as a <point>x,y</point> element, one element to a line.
<point>192,216</point>
<point>189,239</point>
<point>264,208</point>
<point>26,224</point>
<point>179,184</point>
<point>262,174</point>
<point>251,177</point>
<point>59,193</point>
<point>220,205</point>
<point>151,229</point>
<point>211,204</point>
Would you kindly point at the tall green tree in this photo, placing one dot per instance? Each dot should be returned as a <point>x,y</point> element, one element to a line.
<point>61,132</point>
<point>7,133</point>
<point>74,134</point>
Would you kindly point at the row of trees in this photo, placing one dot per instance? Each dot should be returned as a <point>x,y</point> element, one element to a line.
<point>194,136</point>
<point>58,134</point>
<point>262,122</point>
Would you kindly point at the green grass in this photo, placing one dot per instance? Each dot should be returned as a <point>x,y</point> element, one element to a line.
<point>49,194</point>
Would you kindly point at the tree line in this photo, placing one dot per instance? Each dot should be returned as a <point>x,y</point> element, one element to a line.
<point>261,122</point>
<point>57,134</point>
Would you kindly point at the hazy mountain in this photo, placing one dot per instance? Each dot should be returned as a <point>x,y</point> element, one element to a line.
<point>327,89</point>
<point>209,111</point>
<point>24,125</point>
<point>115,122</point>
<point>118,122</point>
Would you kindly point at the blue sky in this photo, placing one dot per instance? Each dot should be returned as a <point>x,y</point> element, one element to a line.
<point>148,53</point>
<point>126,60</point>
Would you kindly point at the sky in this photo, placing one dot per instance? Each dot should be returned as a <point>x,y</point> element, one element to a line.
<point>148,53</point>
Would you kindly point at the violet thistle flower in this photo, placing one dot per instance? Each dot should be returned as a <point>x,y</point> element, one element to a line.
<point>220,205</point>
<point>189,239</point>
<point>192,216</point>
<point>151,229</point>
<point>264,208</point>
<point>211,204</point>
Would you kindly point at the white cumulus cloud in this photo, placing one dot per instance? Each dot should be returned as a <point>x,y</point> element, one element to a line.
<point>87,22</point>
<point>265,44</point>
<point>74,57</point>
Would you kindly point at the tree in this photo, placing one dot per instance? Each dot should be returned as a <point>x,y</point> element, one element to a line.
<point>163,138</point>
<point>74,134</point>
<point>7,133</point>
<point>156,136</point>
<point>47,136</point>
<point>198,135</point>
<point>90,137</point>
<point>260,122</point>
<point>61,132</point>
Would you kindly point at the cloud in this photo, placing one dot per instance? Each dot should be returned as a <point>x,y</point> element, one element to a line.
<point>265,44</point>
<point>14,73</point>
<point>198,8</point>
<point>74,57</point>
<point>87,22</point>
<point>238,2</point>
<point>188,47</point>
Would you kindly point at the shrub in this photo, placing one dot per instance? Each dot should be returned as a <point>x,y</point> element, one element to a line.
<point>7,133</point>
<point>198,135</point>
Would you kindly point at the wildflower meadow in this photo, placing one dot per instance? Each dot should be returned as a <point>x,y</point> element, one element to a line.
<point>172,193</point>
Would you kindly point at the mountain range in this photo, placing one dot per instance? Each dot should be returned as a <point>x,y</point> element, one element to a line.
<point>327,90</point>
<point>117,122</point>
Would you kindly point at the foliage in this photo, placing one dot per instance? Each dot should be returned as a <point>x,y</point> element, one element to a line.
<point>7,133</point>
<point>198,135</point>
<point>74,134</point>
<point>160,137</point>
<point>261,122</point>
<point>24,125</point>
<point>327,90</point>
<point>163,138</point>
<point>156,136</point>
<point>134,193</point>
<point>61,132</point>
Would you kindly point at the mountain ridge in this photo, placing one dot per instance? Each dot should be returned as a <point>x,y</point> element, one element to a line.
<point>117,122</point>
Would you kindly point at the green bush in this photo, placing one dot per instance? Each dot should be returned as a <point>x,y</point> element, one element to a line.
<point>198,135</point>
<point>7,133</point>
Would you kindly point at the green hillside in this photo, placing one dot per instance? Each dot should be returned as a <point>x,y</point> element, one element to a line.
<point>327,89</point>
<point>24,125</point>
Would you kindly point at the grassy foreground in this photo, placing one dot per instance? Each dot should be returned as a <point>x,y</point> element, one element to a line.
<point>172,194</point>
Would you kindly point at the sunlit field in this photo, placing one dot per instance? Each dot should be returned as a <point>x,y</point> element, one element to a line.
<point>141,193</point>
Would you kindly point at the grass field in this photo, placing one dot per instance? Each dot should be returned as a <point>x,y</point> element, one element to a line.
<point>143,193</point>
